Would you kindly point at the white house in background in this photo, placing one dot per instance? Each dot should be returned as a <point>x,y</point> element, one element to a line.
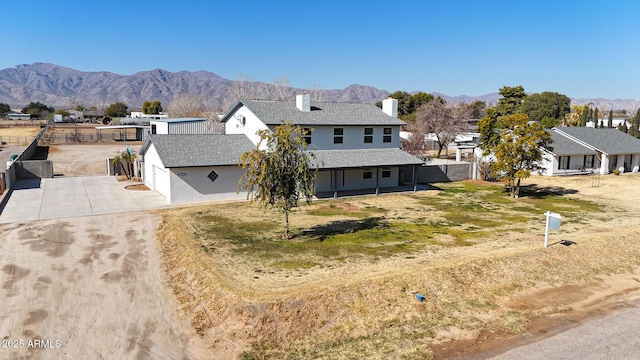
<point>356,145</point>
<point>585,149</point>
<point>140,114</point>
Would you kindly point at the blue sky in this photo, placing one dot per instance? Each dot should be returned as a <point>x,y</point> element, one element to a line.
<point>583,49</point>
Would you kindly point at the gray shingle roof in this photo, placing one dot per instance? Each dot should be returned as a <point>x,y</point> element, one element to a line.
<point>563,146</point>
<point>336,159</point>
<point>607,140</point>
<point>199,150</point>
<point>273,112</point>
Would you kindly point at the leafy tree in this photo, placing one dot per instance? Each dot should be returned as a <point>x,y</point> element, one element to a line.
<point>549,122</point>
<point>280,175</point>
<point>152,107</point>
<point>635,125</point>
<point>477,109</point>
<point>546,104</point>
<point>596,115</point>
<point>623,127</point>
<point>519,151</point>
<point>585,117</point>
<point>118,109</point>
<point>126,158</point>
<point>4,108</point>
<point>38,109</point>
<point>420,98</point>
<point>489,128</point>
<point>444,122</point>
<point>610,120</point>
<point>511,100</point>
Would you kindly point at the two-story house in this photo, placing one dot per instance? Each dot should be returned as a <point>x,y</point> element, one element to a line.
<point>357,146</point>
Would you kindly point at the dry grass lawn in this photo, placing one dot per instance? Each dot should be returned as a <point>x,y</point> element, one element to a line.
<point>342,288</point>
<point>19,135</point>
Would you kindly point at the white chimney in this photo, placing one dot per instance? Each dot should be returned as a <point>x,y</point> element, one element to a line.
<point>303,102</point>
<point>390,107</point>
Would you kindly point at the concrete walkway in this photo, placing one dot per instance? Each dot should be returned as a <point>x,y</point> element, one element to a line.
<point>41,199</point>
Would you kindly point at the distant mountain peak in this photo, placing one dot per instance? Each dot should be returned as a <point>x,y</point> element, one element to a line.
<point>61,86</point>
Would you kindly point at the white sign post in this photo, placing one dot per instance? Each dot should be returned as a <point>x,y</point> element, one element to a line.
<point>553,223</point>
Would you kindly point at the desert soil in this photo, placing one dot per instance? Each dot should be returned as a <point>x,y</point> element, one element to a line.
<point>85,159</point>
<point>88,288</point>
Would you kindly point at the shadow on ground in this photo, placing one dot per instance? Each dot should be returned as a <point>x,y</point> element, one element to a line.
<point>322,231</point>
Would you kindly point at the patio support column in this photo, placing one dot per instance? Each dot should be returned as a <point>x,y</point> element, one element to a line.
<point>415,180</point>
<point>377,181</point>
<point>604,164</point>
<point>334,176</point>
<point>458,154</point>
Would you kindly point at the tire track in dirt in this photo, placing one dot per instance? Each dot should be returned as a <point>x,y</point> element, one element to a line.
<point>88,288</point>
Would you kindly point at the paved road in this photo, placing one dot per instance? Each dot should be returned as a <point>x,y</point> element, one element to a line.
<point>614,337</point>
<point>43,199</point>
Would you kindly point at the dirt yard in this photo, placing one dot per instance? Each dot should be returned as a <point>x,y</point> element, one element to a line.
<point>88,288</point>
<point>85,159</point>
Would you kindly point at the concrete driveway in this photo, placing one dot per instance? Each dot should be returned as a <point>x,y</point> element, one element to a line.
<point>42,199</point>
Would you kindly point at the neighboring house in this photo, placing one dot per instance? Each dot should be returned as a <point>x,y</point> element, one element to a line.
<point>585,150</point>
<point>140,114</point>
<point>184,126</point>
<point>356,147</point>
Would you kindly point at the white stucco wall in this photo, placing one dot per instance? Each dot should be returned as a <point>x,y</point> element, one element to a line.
<point>156,177</point>
<point>193,184</point>
<point>353,137</point>
<point>352,179</point>
<point>250,127</point>
<point>162,127</point>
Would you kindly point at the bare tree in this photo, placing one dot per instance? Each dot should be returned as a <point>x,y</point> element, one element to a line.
<point>192,105</point>
<point>444,122</point>
<point>280,90</point>
<point>417,141</point>
<point>317,92</point>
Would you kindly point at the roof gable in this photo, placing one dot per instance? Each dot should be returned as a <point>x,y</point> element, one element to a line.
<point>327,114</point>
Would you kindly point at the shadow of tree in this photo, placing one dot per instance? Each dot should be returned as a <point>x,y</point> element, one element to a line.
<point>536,192</point>
<point>322,231</point>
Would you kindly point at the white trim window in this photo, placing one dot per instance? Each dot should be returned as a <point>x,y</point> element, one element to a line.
<point>563,163</point>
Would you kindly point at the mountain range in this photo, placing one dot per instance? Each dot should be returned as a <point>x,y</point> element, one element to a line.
<point>59,86</point>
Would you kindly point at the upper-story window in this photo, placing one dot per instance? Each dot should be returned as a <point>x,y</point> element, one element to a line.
<point>387,135</point>
<point>154,129</point>
<point>368,135</point>
<point>307,135</point>
<point>338,134</point>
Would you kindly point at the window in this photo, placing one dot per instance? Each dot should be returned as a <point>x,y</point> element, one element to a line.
<point>337,135</point>
<point>153,129</point>
<point>386,173</point>
<point>563,163</point>
<point>307,135</point>
<point>588,161</point>
<point>367,174</point>
<point>212,175</point>
<point>368,135</point>
<point>387,135</point>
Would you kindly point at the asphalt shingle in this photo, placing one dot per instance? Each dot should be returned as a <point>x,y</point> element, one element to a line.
<point>345,114</point>
<point>199,150</point>
<point>607,140</point>
<point>340,159</point>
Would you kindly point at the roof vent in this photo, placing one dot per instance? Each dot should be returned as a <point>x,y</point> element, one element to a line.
<point>303,102</point>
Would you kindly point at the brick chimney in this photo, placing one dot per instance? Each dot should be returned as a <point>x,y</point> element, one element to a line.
<point>303,102</point>
<point>390,107</point>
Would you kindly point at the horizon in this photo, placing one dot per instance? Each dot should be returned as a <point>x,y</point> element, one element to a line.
<point>458,48</point>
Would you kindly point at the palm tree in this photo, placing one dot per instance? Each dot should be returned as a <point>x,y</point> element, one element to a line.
<point>126,159</point>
